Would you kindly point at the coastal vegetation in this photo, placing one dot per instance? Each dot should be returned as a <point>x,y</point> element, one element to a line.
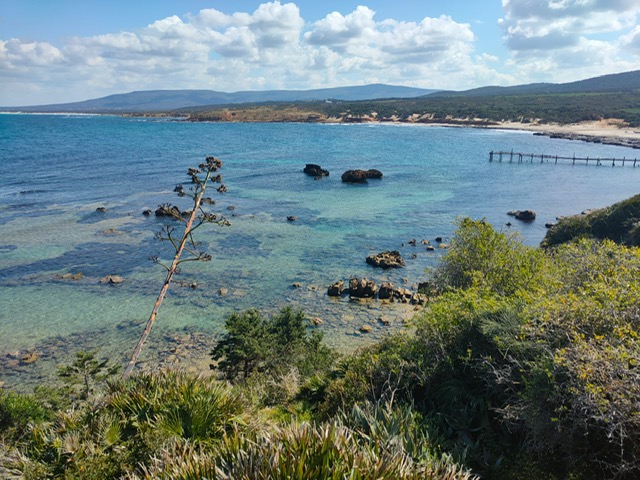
<point>619,222</point>
<point>608,97</point>
<point>524,363</point>
<point>561,108</point>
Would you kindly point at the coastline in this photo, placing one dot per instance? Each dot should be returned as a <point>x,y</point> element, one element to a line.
<point>611,132</point>
<point>606,131</point>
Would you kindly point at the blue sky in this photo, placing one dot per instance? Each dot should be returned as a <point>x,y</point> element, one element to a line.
<point>69,50</point>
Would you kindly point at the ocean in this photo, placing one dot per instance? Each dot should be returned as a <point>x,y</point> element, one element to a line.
<point>57,170</point>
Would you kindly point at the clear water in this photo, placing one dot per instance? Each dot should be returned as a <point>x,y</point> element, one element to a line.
<point>56,170</point>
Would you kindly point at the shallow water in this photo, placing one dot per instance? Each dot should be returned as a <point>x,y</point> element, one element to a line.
<point>56,170</point>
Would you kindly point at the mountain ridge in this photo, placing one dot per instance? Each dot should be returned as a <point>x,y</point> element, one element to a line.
<point>166,100</point>
<point>154,101</point>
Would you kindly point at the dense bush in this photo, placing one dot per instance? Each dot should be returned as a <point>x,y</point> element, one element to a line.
<point>619,222</point>
<point>254,344</point>
<point>525,363</point>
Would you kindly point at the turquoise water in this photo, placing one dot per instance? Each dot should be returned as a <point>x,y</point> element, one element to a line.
<point>56,170</point>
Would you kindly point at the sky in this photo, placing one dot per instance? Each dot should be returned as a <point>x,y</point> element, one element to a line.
<point>56,51</point>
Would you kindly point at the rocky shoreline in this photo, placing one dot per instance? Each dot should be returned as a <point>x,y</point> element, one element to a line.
<point>605,140</point>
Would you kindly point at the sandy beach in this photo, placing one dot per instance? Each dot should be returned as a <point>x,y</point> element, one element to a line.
<point>609,128</point>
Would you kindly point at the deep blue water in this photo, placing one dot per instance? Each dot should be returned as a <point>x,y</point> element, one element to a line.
<point>56,170</point>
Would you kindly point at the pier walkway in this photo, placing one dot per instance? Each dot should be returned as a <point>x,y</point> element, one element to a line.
<point>518,157</point>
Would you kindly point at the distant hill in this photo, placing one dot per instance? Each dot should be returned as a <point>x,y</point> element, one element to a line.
<point>165,100</point>
<point>616,82</point>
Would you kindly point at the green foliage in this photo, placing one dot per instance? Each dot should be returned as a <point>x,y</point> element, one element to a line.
<point>254,344</point>
<point>134,420</point>
<point>522,106</point>
<point>86,371</point>
<point>369,442</point>
<point>17,412</point>
<point>526,361</point>
<point>619,222</point>
<point>484,258</point>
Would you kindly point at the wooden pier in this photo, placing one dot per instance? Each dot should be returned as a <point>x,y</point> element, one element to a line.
<point>518,157</point>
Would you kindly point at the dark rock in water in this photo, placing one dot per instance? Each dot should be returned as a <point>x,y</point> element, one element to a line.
<point>360,176</point>
<point>354,176</point>
<point>403,295</point>
<point>386,291</point>
<point>147,212</point>
<point>526,215</point>
<point>373,173</point>
<point>386,260</point>
<point>315,170</point>
<point>101,209</point>
<point>362,288</point>
<point>549,225</point>
<point>168,211</point>
<point>336,289</point>
<point>292,218</point>
<point>438,239</point>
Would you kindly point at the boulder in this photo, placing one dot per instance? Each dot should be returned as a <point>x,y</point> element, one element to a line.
<point>366,328</point>
<point>373,173</point>
<point>360,176</point>
<point>388,259</point>
<point>403,295</point>
<point>336,289</point>
<point>362,288</point>
<point>386,291</point>
<point>315,170</point>
<point>168,211</point>
<point>354,176</point>
<point>526,215</point>
<point>292,218</point>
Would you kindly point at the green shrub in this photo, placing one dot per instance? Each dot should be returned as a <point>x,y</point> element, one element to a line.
<point>17,412</point>
<point>254,344</point>
<point>482,257</point>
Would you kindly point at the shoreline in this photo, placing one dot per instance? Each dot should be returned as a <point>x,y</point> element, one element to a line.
<point>609,132</point>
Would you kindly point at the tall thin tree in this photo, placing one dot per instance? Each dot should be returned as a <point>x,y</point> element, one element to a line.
<point>201,177</point>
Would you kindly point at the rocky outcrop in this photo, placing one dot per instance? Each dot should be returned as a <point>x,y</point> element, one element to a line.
<point>362,288</point>
<point>315,170</point>
<point>388,259</point>
<point>360,176</point>
<point>373,173</point>
<point>336,289</point>
<point>524,215</point>
<point>168,211</point>
<point>386,291</point>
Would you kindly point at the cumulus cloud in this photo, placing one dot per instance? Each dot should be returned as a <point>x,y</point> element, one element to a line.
<point>273,47</point>
<point>569,39</point>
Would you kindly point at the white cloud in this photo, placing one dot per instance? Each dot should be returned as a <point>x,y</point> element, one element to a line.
<point>272,47</point>
<point>631,41</point>
<point>563,40</point>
